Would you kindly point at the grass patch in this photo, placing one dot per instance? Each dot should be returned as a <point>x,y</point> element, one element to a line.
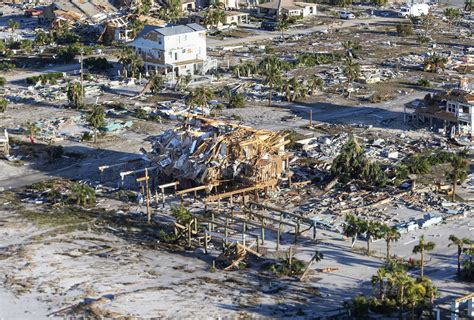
<point>68,215</point>
<point>10,201</point>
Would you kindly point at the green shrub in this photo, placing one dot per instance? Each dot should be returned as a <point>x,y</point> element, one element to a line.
<point>183,216</point>
<point>405,29</point>
<point>425,83</point>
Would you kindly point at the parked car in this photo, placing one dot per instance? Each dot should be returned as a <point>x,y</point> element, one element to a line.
<point>269,25</point>
<point>346,15</point>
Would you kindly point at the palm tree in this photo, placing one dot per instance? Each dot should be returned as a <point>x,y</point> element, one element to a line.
<point>458,173</point>
<point>214,17</point>
<point>269,62</point>
<point>351,47</point>
<point>402,281</point>
<point>348,160</point>
<point>3,104</point>
<point>420,248</point>
<point>96,119</point>
<point>379,279</point>
<point>236,100</point>
<point>373,231</point>
<point>452,14</point>
<point>434,62</point>
<point>351,70</point>
<point>430,290</point>
<point>415,293</point>
<point>353,226</point>
<point>418,164</point>
<point>316,82</point>
<point>200,97</point>
<point>136,26</point>
<point>157,82</point>
<point>391,234</point>
<point>468,5</point>
<point>171,11</point>
<point>82,194</point>
<point>130,60</point>
<point>75,95</point>
<point>295,87</point>
<point>272,78</point>
<point>13,25</point>
<point>249,68</point>
<point>283,24</point>
<point>459,242</point>
<point>42,38</point>
<point>31,130</point>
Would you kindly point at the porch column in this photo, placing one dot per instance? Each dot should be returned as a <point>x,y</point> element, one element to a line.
<point>455,308</point>
<point>470,307</point>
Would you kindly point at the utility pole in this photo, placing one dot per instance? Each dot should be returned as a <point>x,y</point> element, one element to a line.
<point>82,77</point>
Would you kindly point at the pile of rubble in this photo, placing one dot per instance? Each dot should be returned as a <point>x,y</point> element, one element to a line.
<point>73,128</point>
<point>205,151</point>
<point>326,148</point>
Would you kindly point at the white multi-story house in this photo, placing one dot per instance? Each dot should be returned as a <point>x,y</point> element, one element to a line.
<point>460,104</point>
<point>179,50</point>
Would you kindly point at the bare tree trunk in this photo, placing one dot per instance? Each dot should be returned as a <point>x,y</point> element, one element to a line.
<point>270,96</point>
<point>354,239</point>
<point>388,250</point>
<point>459,260</point>
<point>453,196</point>
<point>95,135</point>
<point>422,264</point>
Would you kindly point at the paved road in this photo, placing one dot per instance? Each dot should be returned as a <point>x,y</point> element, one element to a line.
<point>82,169</point>
<point>267,35</point>
<point>337,114</point>
<point>22,75</point>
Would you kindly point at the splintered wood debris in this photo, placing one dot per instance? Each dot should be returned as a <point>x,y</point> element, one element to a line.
<point>205,151</point>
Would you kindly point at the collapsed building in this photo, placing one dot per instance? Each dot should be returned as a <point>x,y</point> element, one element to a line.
<point>204,151</point>
<point>451,112</point>
<point>61,11</point>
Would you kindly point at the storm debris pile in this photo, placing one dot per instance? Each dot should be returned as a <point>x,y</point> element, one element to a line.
<point>205,151</point>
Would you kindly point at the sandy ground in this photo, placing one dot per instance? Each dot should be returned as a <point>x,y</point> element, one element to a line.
<point>47,268</point>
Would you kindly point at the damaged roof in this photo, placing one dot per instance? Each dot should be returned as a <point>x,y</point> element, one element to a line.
<point>460,96</point>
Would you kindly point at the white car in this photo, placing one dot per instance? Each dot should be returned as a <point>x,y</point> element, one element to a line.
<point>346,15</point>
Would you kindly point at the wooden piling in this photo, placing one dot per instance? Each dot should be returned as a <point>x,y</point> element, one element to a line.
<point>189,234</point>
<point>148,210</point>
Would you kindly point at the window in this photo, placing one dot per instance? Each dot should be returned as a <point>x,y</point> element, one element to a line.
<point>184,50</point>
<point>139,50</point>
<point>176,56</point>
<point>451,107</point>
<point>159,40</point>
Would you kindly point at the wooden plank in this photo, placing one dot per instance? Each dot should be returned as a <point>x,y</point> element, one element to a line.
<point>167,185</point>
<point>231,193</point>
<point>306,220</point>
<point>199,188</point>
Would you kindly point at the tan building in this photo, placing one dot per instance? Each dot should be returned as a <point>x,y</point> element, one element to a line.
<point>290,8</point>
<point>231,18</point>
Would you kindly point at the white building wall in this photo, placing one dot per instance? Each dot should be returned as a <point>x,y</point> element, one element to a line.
<point>174,50</point>
<point>185,47</point>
